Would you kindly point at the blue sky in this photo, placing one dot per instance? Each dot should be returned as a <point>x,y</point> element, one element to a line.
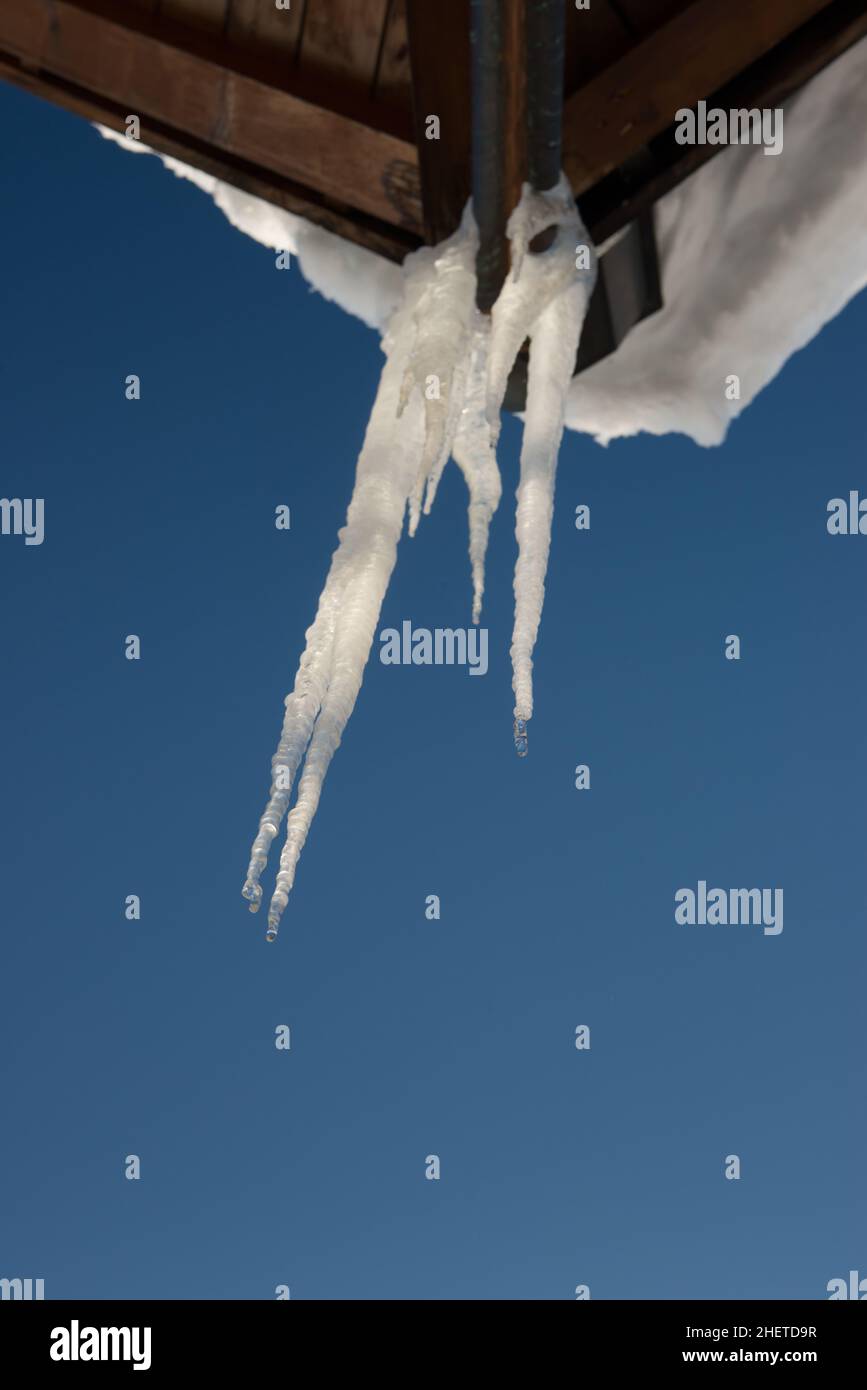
<point>409,1037</point>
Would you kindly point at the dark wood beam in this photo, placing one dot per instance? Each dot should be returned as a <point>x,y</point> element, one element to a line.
<point>442,89</point>
<point>188,84</point>
<point>384,239</point>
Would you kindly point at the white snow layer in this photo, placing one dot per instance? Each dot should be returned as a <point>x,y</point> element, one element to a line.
<point>757,254</point>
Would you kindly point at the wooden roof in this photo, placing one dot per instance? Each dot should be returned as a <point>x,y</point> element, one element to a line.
<point>320,107</point>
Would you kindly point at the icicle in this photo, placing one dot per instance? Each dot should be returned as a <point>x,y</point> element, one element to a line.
<point>440,393</point>
<point>545,299</point>
<point>553,345</point>
<point>442,324</point>
<point>302,707</point>
<point>473,451</point>
<point>367,551</point>
<point>534,281</point>
<point>406,436</point>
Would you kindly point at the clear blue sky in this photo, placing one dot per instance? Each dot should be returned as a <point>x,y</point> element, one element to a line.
<point>409,1037</point>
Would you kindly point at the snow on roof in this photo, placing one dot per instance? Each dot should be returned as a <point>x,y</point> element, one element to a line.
<point>757,253</point>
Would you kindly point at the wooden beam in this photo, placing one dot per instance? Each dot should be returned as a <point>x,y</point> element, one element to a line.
<point>392,242</point>
<point>616,113</point>
<point>442,89</point>
<point>128,59</point>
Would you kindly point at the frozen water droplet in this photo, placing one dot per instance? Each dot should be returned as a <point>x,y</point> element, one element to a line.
<point>253,893</point>
<point>521,737</point>
<point>271,934</point>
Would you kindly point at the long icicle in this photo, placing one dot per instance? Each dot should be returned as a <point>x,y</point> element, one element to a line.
<point>545,298</point>
<point>475,455</point>
<point>408,432</point>
<point>440,394</point>
<point>368,551</point>
<point>553,346</point>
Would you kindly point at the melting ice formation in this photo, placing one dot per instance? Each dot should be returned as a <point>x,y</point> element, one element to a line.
<point>437,335</point>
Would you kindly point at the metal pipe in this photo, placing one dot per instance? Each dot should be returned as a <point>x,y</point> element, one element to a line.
<point>546,49</point>
<point>518,49</point>
<point>489,24</point>
<point>546,53</point>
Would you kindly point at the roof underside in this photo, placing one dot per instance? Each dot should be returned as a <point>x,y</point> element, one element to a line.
<point>312,106</point>
<point>321,107</point>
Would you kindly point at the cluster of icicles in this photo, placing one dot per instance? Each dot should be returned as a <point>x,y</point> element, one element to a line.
<point>440,396</point>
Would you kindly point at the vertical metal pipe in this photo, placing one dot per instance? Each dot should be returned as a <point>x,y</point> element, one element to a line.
<point>546,48</point>
<point>518,51</point>
<point>497,34</point>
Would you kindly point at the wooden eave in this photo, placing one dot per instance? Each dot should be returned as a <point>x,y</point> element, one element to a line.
<point>322,108</point>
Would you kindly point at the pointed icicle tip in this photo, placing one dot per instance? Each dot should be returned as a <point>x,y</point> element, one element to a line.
<point>521,738</point>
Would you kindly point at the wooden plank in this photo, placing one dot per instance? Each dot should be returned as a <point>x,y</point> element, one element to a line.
<point>389,241</point>
<point>205,101</point>
<point>769,82</point>
<point>209,15</point>
<point>343,39</point>
<point>443,90</point>
<point>595,38</point>
<point>611,117</point>
<point>641,17</point>
<point>393,79</point>
<point>258,24</point>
